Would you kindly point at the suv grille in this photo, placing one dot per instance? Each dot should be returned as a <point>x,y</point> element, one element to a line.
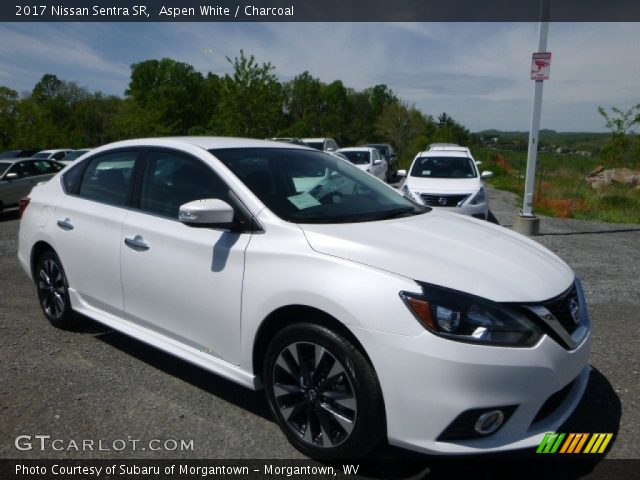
<point>443,200</point>
<point>561,309</point>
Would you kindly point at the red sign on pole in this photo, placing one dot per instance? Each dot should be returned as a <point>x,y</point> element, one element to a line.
<point>540,66</point>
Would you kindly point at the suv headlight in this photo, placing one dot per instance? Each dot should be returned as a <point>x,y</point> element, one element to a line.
<point>480,197</point>
<point>467,318</point>
<point>409,194</point>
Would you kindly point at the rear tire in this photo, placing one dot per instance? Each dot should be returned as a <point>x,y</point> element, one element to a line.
<point>53,291</point>
<point>323,392</point>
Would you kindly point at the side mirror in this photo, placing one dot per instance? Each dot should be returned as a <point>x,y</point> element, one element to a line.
<point>377,162</point>
<point>209,212</point>
<point>11,176</point>
<point>401,173</point>
<point>478,162</point>
<point>486,174</point>
<point>331,149</point>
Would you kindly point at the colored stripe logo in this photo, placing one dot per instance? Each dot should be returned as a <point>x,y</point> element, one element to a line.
<point>574,443</point>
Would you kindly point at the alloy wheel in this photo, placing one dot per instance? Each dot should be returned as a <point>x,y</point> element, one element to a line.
<point>51,286</point>
<point>314,394</point>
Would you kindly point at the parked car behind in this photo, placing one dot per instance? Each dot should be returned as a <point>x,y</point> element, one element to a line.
<point>56,154</point>
<point>367,159</point>
<point>73,155</point>
<point>324,144</point>
<point>18,176</point>
<point>447,176</point>
<point>389,155</point>
<point>363,314</point>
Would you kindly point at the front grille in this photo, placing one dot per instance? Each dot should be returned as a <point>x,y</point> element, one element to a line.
<point>561,309</point>
<point>552,403</point>
<point>443,200</point>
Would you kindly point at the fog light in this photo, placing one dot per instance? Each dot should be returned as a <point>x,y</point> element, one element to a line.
<point>489,422</point>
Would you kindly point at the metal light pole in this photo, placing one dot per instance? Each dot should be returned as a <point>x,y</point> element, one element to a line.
<point>526,222</point>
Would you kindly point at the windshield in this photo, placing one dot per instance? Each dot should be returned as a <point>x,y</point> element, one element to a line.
<point>444,167</point>
<point>357,157</point>
<point>304,186</point>
<point>41,155</point>
<point>3,167</point>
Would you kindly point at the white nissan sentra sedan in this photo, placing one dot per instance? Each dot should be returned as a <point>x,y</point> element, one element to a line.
<point>447,176</point>
<point>363,314</point>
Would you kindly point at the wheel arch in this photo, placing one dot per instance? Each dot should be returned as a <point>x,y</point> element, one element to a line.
<point>289,314</point>
<point>36,252</point>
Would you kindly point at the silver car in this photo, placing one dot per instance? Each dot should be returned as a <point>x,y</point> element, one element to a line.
<point>19,175</point>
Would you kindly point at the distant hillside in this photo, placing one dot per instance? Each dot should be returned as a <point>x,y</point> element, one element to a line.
<point>575,140</point>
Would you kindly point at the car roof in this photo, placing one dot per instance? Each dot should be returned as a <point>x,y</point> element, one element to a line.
<point>56,150</point>
<point>356,149</point>
<point>206,143</point>
<point>317,139</point>
<point>445,153</point>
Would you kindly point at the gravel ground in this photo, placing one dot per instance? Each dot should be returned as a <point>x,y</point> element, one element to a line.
<point>94,383</point>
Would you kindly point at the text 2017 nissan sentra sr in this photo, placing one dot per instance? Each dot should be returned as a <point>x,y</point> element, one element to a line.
<point>363,314</point>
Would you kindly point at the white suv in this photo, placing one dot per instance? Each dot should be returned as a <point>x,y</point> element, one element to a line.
<point>447,175</point>
<point>363,315</point>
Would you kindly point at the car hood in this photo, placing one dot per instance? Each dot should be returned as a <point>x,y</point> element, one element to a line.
<point>450,250</point>
<point>444,185</point>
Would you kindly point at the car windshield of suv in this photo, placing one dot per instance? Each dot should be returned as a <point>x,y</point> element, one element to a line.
<point>444,167</point>
<point>357,158</point>
<point>4,167</point>
<point>304,186</point>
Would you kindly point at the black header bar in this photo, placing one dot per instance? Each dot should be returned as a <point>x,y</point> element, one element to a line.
<point>316,11</point>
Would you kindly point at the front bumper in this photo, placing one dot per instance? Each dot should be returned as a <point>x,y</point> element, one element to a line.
<point>428,381</point>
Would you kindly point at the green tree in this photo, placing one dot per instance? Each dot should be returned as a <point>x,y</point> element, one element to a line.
<point>621,123</point>
<point>336,111</point>
<point>172,93</point>
<point>303,106</point>
<point>251,100</point>
<point>8,115</point>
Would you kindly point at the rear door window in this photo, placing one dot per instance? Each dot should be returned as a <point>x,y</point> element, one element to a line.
<point>107,178</point>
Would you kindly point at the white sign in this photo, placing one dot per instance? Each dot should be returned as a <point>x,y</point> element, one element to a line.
<point>540,66</point>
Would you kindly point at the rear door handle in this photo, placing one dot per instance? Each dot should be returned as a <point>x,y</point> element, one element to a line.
<point>136,243</point>
<point>65,224</point>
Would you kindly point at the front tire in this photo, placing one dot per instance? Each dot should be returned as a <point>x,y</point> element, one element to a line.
<point>323,392</point>
<point>53,291</point>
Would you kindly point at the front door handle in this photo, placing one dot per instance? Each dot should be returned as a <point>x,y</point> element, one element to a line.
<point>136,243</point>
<point>65,224</point>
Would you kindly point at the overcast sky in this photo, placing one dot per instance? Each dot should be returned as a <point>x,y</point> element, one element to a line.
<point>477,72</point>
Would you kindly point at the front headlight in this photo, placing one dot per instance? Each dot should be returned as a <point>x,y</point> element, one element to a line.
<point>480,197</point>
<point>467,318</point>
